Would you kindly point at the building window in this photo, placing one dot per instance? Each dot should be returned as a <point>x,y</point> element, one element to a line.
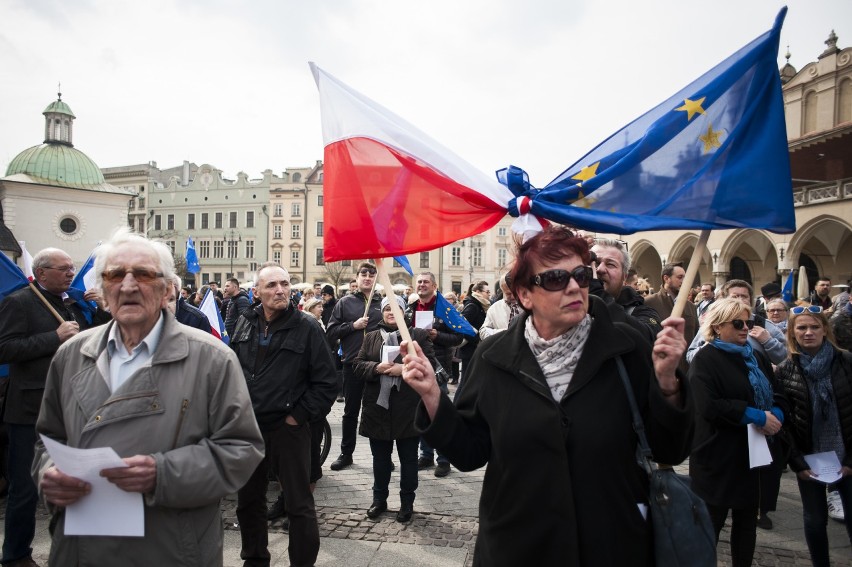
<point>205,221</point>
<point>218,221</point>
<point>158,222</point>
<point>346,263</point>
<point>249,219</point>
<point>233,250</point>
<point>294,258</point>
<point>276,256</point>
<point>295,230</point>
<point>320,261</point>
<point>250,249</point>
<point>297,177</point>
<point>501,257</point>
<point>218,248</point>
<point>232,219</point>
<point>501,231</point>
<point>455,256</point>
<point>424,259</point>
<point>203,249</point>
<point>278,210</point>
<point>217,277</point>
<point>477,257</point>
<point>319,197</point>
<point>140,225</point>
<point>296,210</point>
<point>276,231</point>
<point>170,222</point>
<point>205,278</point>
<point>190,221</point>
<point>252,266</point>
<point>319,228</point>
<point>171,245</point>
<point>68,225</point>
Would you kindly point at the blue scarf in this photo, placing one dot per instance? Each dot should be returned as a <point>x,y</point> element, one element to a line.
<point>759,383</point>
<point>817,369</point>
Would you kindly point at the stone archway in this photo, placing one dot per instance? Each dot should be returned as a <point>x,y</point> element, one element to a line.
<point>645,259</point>
<point>682,250</point>
<point>827,242</point>
<point>754,255</point>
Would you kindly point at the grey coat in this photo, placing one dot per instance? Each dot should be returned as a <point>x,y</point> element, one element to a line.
<point>189,410</point>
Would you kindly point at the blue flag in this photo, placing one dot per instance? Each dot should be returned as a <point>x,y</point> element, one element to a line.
<point>192,265</point>
<point>787,290</point>
<point>11,276</point>
<point>403,261</point>
<point>451,317</point>
<point>83,281</point>
<point>713,156</point>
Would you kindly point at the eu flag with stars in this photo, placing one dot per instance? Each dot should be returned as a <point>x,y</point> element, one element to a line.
<point>713,156</point>
<point>451,317</point>
<point>192,265</point>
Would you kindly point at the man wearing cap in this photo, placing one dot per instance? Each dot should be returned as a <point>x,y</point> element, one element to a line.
<point>351,319</point>
<point>770,291</point>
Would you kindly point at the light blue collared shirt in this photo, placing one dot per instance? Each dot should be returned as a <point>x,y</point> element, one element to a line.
<point>123,364</point>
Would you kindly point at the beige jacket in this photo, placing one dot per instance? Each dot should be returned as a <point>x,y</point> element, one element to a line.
<point>189,409</point>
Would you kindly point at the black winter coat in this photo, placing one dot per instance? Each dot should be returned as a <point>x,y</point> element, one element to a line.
<point>397,421</point>
<point>296,375</point>
<point>346,311</point>
<point>719,464</point>
<point>474,313</point>
<point>28,341</point>
<point>446,340</point>
<point>800,418</point>
<point>562,485</point>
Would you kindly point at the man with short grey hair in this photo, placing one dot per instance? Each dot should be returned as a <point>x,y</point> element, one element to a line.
<point>30,335</point>
<point>170,400</point>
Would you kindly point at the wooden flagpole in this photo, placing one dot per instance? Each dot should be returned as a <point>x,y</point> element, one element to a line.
<point>46,303</point>
<point>691,271</point>
<point>384,279</point>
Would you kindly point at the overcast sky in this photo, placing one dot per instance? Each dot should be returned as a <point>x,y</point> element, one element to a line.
<point>535,83</point>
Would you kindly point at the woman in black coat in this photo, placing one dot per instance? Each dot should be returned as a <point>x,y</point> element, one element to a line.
<point>387,413</point>
<point>817,380</point>
<point>733,386</point>
<point>545,409</point>
<point>474,308</point>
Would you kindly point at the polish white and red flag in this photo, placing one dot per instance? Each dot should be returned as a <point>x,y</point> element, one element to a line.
<point>389,189</point>
<point>27,261</point>
<point>214,316</point>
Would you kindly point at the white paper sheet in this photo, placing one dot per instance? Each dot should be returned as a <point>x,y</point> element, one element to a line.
<point>758,448</point>
<point>389,353</point>
<point>423,319</point>
<point>107,510</point>
<point>826,466</point>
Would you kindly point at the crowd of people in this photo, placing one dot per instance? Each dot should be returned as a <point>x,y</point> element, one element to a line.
<point>539,401</point>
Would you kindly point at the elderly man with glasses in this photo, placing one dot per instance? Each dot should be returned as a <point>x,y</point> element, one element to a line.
<point>30,334</point>
<point>171,401</point>
<point>353,317</point>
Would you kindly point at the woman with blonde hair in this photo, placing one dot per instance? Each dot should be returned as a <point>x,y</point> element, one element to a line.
<point>817,380</point>
<point>733,387</point>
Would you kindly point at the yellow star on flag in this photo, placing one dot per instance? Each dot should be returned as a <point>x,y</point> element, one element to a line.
<point>711,138</point>
<point>692,107</point>
<point>583,202</point>
<point>587,172</point>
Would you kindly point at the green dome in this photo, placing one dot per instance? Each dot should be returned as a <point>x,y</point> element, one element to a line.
<point>57,164</point>
<point>60,107</point>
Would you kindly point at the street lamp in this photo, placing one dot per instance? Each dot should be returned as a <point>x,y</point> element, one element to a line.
<point>232,237</point>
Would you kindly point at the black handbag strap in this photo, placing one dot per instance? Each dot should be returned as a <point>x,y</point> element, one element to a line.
<point>638,425</point>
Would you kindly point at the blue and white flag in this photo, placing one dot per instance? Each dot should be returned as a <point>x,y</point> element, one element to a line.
<point>192,265</point>
<point>451,317</point>
<point>787,290</point>
<point>83,281</point>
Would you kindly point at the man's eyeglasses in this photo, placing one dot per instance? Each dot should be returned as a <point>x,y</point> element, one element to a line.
<point>740,323</point>
<point>367,271</point>
<point>141,275</point>
<point>66,269</point>
<point>808,308</point>
<point>776,310</point>
<point>557,280</point>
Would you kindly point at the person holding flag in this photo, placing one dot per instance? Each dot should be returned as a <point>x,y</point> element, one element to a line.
<point>34,322</point>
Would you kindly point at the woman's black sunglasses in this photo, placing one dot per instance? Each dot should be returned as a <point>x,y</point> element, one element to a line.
<point>740,323</point>
<point>557,280</point>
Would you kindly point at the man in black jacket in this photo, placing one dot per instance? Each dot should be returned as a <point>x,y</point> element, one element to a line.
<point>349,325</point>
<point>29,337</point>
<point>613,263</point>
<point>290,376</point>
<point>238,301</point>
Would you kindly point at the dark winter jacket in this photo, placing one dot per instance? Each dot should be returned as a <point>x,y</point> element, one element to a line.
<point>474,313</point>
<point>349,309</point>
<point>562,485</point>
<point>295,375</point>
<point>397,421</point>
<point>28,341</point>
<point>719,463</point>
<point>800,419</point>
<point>638,315</point>
<point>236,306</point>
<point>192,316</point>
<point>841,324</point>
<point>444,343</point>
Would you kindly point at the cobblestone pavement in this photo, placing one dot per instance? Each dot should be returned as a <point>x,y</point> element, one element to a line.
<point>445,517</point>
